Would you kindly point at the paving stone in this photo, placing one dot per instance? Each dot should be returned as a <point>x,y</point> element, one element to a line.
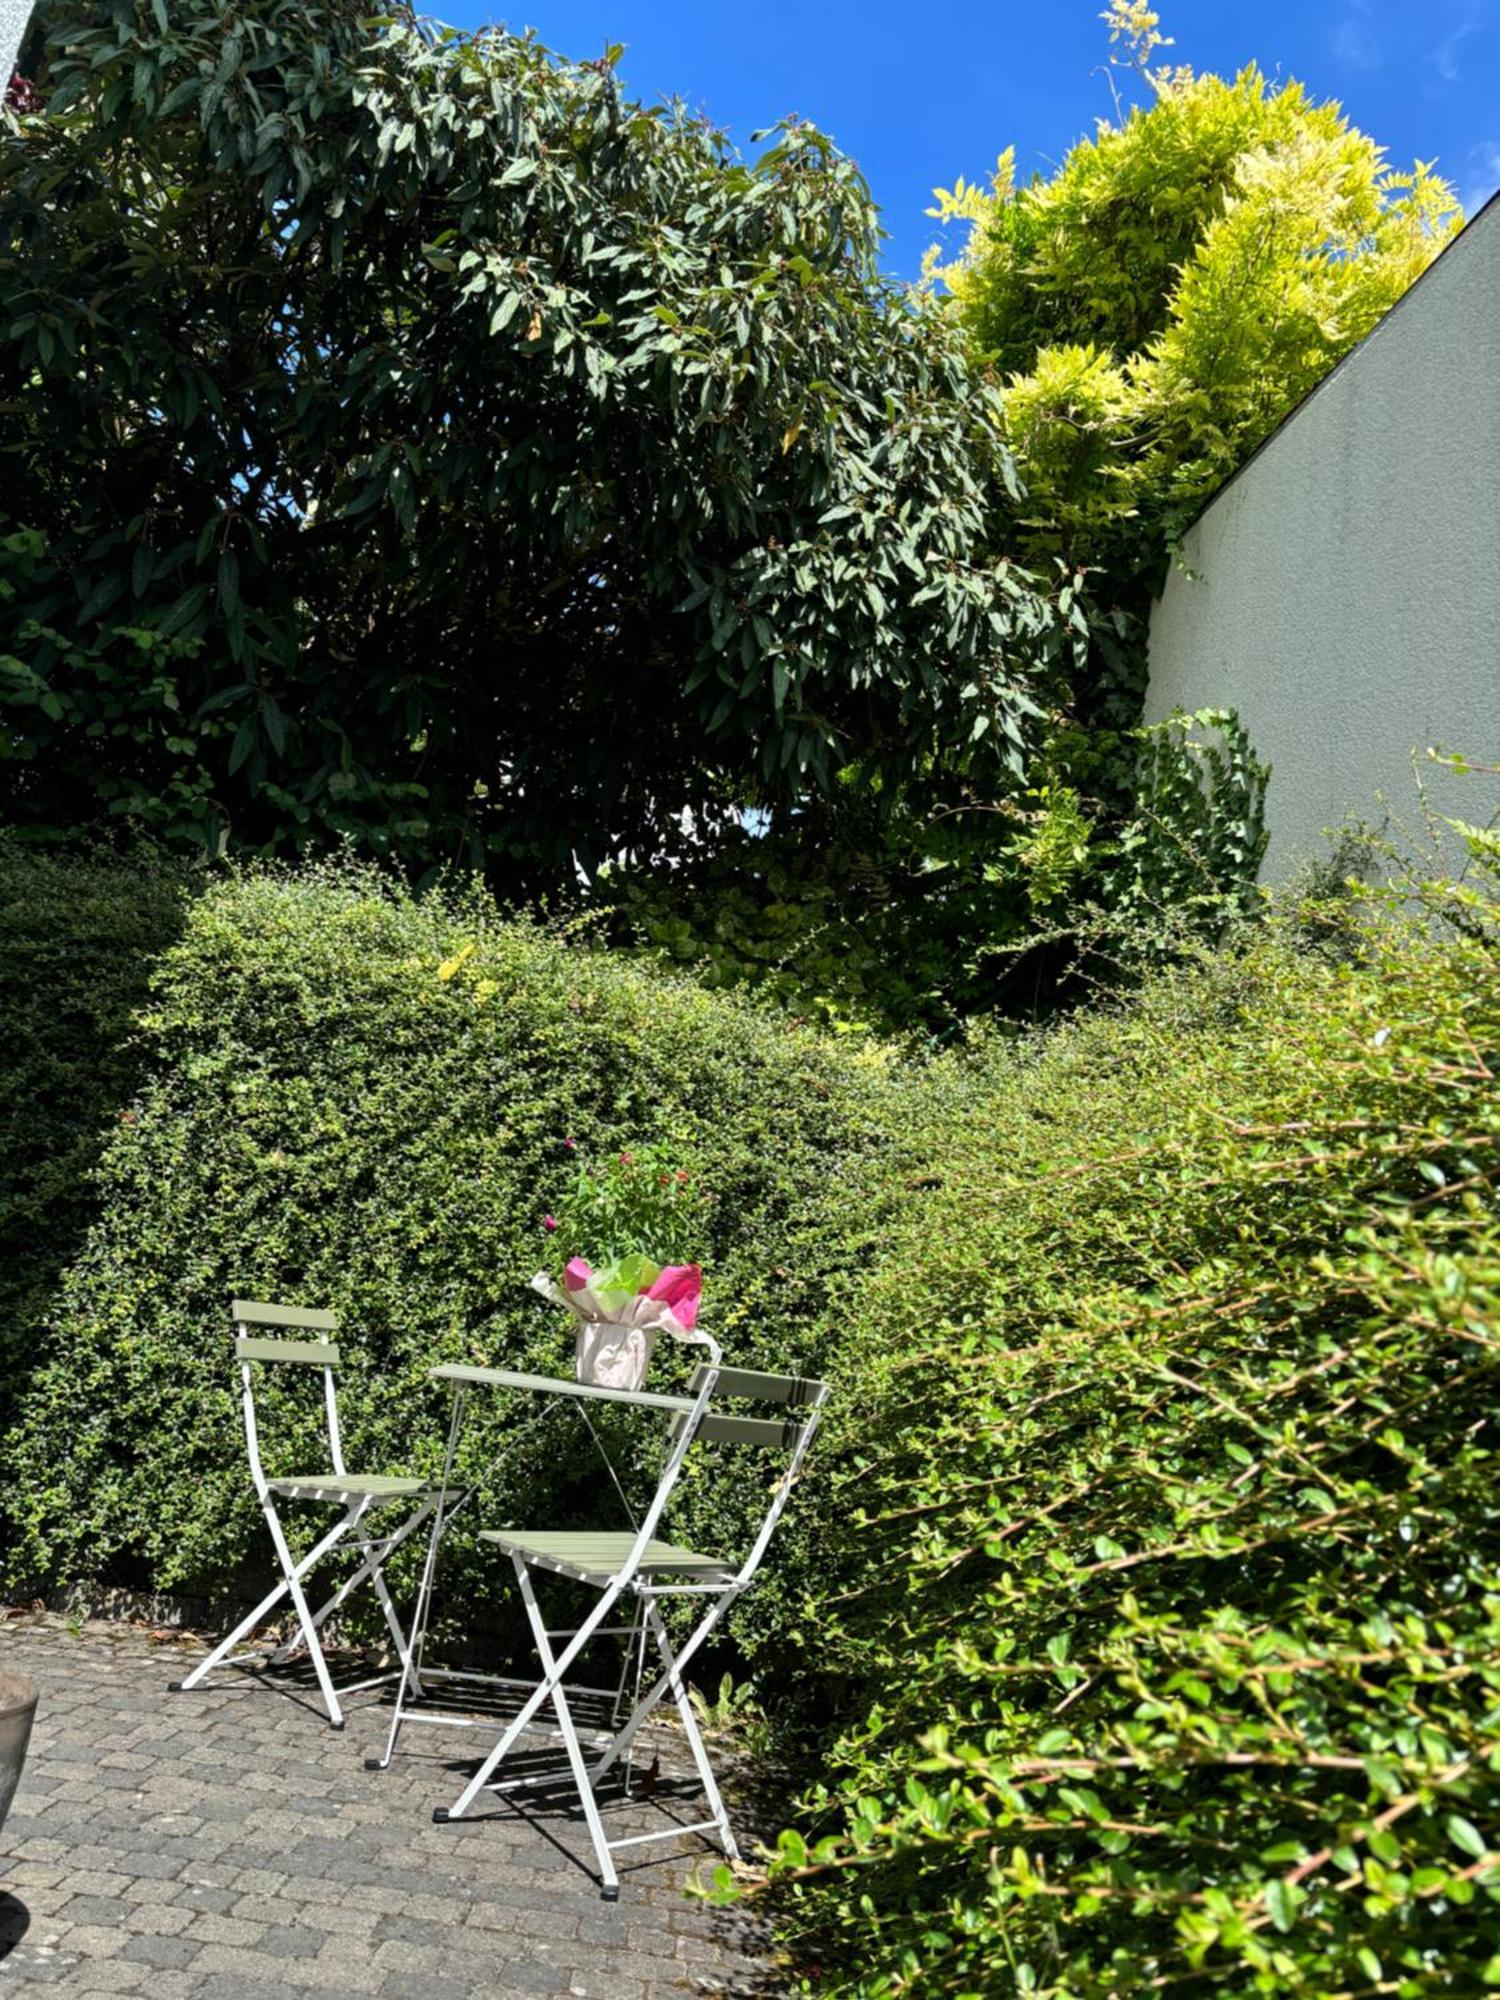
<point>151,1889</point>
<point>158,1919</point>
<point>91,1882</point>
<point>211,1928</point>
<point>262,1909</point>
<point>206,1896</point>
<point>34,1849</point>
<point>157,1866</point>
<point>238,1962</point>
<point>174,1986</point>
<point>652,1941</point>
<point>285,1941</point>
<point>92,1941</point>
<point>259,1881</point>
<point>34,1968</point>
<point>164,1951</point>
<point>228,1846</point>
<point>94,1910</point>
<point>229,1986</point>
<point>350,1960</point>
<point>338,1919</point>
<point>107,1975</point>
<point>425,1987</point>
<point>535,1977</point>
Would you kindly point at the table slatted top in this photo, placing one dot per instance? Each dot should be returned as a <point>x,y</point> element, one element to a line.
<point>555,1385</point>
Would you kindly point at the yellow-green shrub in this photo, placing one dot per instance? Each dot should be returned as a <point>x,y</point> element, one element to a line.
<point>1185,276</point>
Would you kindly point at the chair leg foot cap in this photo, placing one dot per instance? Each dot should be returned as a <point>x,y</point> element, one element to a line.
<point>610,1893</point>
<point>440,1815</point>
<point>335,1725</point>
<point>174,1687</point>
<point>374,1764</point>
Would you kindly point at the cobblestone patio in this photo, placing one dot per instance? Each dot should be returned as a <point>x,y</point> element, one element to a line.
<point>227,1845</point>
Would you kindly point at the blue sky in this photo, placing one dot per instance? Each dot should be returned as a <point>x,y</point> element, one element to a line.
<point>920,94</point>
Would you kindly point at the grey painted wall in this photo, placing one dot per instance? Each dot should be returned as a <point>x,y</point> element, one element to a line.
<point>14,15</point>
<point>1343,591</point>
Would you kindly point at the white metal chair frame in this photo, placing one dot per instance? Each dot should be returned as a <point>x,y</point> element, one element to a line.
<point>634,1575</point>
<point>361,1495</point>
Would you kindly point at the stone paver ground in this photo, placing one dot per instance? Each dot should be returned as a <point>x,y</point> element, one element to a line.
<point>227,1845</point>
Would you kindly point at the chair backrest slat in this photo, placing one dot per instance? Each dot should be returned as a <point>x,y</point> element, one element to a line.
<point>756,1387</point>
<point>310,1353</point>
<point>316,1353</point>
<point>254,1312</point>
<point>764,1431</point>
<point>802,1399</point>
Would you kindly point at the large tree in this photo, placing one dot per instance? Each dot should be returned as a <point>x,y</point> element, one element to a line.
<point>406,435</point>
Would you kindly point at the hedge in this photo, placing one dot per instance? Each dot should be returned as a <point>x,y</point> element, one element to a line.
<point>1148,1582</point>
<point>1169,1573</point>
<point>357,1097</point>
<point>79,935</point>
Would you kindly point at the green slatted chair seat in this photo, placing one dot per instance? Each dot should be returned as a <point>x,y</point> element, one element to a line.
<point>347,1486</point>
<point>590,1553</point>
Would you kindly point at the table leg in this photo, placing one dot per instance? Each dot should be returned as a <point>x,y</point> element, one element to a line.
<point>411,1670</point>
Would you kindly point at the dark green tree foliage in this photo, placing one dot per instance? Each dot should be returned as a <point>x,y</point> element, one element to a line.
<point>407,436</point>
<point>350,1096</point>
<point>917,914</point>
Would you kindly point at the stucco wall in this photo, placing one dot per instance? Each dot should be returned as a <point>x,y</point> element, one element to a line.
<point>14,15</point>
<point>1343,591</point>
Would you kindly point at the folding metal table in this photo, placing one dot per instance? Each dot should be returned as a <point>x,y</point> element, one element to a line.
<point>461,1379</point>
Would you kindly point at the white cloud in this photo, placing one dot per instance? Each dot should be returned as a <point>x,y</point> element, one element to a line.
<point>1443,55</point>
<point>1354,40</point>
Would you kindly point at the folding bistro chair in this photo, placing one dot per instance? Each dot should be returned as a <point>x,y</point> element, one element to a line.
<point>359,1494</point>
<point>642,1569</point>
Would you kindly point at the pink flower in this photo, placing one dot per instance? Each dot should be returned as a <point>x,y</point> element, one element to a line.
<point>549,1222</point>
<point>680,1287</point>
<point>571,1144</point>
<point>577,1276</point>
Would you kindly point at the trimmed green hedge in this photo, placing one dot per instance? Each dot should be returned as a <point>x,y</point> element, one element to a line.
<point>79,935</point>
<point>1154,1541</point>
<point>336,1111</point>
<point>1168,1563</point>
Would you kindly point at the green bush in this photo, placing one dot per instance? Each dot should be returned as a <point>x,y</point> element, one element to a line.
<point>357,1097</point>
<point>78,938</point>
<point>1169,1568</point>
<point>911,915</point>
<point>1153,1542</point>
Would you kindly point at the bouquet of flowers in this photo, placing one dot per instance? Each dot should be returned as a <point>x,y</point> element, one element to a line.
<point>625,1302</point>
<point>620,1310</point>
